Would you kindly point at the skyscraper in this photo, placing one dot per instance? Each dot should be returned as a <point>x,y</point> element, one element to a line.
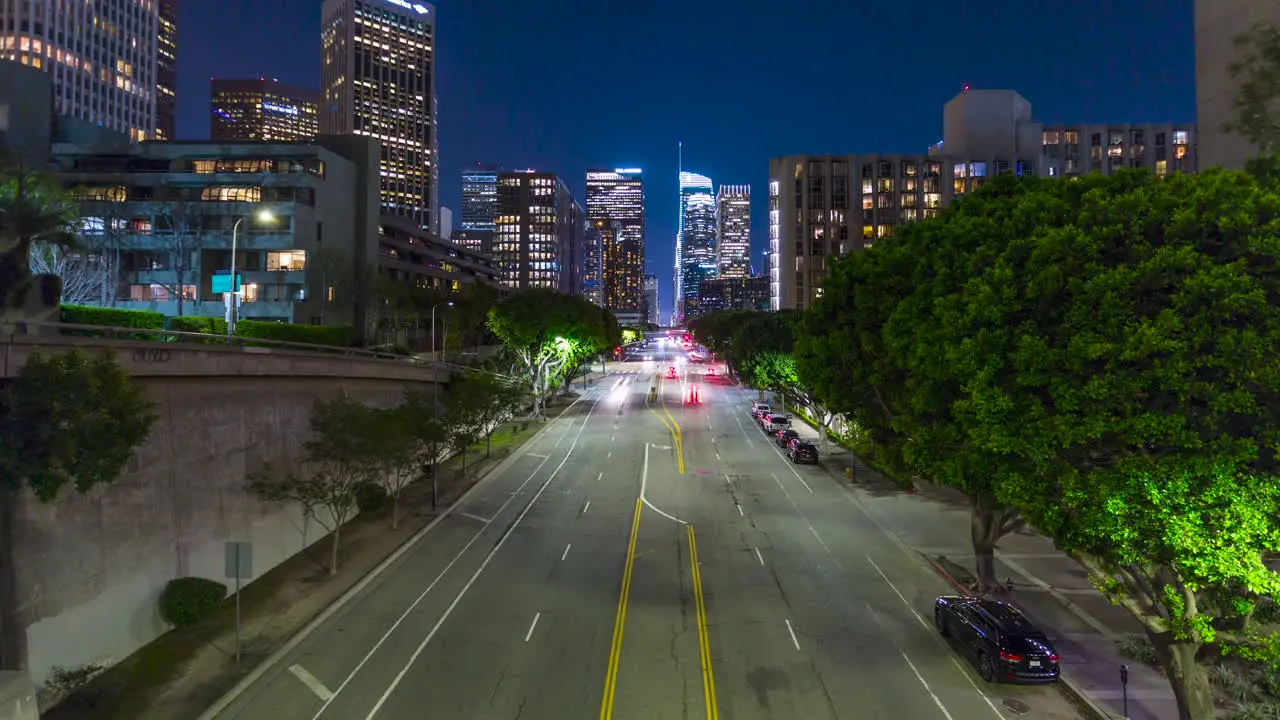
<point>167,70</point>
<point>651,299</point>
<point>102,55</point>
<point>479,205</point>
<point>695,242</point>
<point>538,232</point>
<point>261,109</point>
<point>378,79</point>
<point>616,196</point>
<point>733,231</point>
<point>593,263</point>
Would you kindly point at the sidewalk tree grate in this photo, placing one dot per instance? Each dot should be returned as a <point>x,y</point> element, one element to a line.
<point>1017,707</point>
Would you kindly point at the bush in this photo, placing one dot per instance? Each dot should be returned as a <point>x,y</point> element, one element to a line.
<point>1254,711</point>
<point>1234,684</point>
<point>1138,647</point>
<point>199,324</point>
<point>1267,612</point>
<point>371,496</point>
<point>186,601</point>
<point>288,332</point>
<point>110,317</point>
<point>1269,678</point>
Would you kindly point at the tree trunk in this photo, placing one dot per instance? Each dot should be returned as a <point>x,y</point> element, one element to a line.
<point>13,645</point>
<point>487,444</point>
<point>333,548</point>
<point>986,527</point>
<point>1187,678</point>
<point>395,510</point>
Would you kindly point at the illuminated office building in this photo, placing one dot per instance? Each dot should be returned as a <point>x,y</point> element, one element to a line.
<point>167,71</point>
<point>261,109</point>
<point>378,79</point>
<point>102,56</point>
<point>733,231</point>
<point>695,242</point>
<point>593,288</point>
<point>651,299</point>
<point>617,196</point>
<point>479,205</point>
<point>537,240</point>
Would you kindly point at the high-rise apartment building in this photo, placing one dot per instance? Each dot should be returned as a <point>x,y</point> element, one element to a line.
<point>261,109</point>
<point>651,299</point>
<point>695,242</point>
<point>378,79</point>
<point>823,206</point>
<point>102,56</point>
<point>733,231</point>
<point>167,71</point>
<point>1218,23</point>
<point>537,239</point>
<point>616,197</point>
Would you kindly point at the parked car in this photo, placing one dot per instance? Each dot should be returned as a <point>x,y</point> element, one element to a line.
<point>772,423</point>
<point>998,639</point>
<point>802,451</point>
<point>784,437</point>
<point>758,409</point>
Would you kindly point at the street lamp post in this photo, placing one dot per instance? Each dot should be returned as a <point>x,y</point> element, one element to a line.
<point>263,216</point>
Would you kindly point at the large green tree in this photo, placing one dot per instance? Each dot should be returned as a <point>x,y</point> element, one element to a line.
<point>1256,70</point>
<point>549,334</point>
<point>1122,338</point>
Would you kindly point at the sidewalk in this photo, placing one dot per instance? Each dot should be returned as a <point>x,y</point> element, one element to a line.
<point>1050,587</point>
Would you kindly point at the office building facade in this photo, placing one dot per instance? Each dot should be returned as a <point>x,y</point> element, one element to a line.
<point>537,240</point>
<point>615,200</point>
<point>593,287</point>
<point>378,80</point>
<point>733,231</point>
<point>1218,23</point>
<point>479,206</point>
<point>103,57</point>
<point>734,293</point>
<point>824,206</point>
<point>167,71</point>
<point>695,242</point>
<point>260,109</point>
<point>652,310</point>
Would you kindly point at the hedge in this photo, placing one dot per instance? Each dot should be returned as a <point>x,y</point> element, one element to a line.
<point>290,332</point>
<point>110,317</point>
<point>199,324</point>
<point>188,600</point>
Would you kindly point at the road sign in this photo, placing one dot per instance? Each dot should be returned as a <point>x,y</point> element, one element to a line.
<point>239,563</point>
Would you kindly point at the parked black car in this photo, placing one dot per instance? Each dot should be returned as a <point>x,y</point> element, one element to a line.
<point>784,437</point>
<point>802,451</point>
<point>1001,642</point>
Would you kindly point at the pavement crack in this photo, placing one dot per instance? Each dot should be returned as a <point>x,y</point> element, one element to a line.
<point>777,581</point>
<point>826,694</point>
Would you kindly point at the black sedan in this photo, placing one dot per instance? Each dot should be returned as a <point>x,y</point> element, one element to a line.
<point>997,638</point>
<point>802,451</point>
<point>784,437</point>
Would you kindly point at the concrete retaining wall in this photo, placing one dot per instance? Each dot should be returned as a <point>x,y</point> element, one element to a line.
<point>17,697</point>
<point>90,567</point>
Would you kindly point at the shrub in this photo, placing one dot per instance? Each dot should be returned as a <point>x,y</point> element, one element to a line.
<point>186,601</point>
<point>199,324</point>
<point>336,336</point>
<point>1254,711</point>
<point>371,496</point>
<point>1269,679</point>
<point>1138,647</point>
<point>1233,683</point>
<point>1267,612</point>
<point>110,317</point>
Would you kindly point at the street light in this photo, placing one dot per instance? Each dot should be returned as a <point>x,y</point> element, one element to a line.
<point>263,216</point>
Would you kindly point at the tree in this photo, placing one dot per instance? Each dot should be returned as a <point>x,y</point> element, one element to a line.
<point>548,332</point>
<point>715,331</point>
<point>85,275</point>
<point>430,435</point>
<point>464,413</point>
<point>1256,72</point>
<point>496,398</point>
<point>760,351</point>
<point>1120,340</point>
<point>337,462</point>
<point>33,209</point>
<point>70,419</point>
<point>180,232</point>
<point>394,447</point>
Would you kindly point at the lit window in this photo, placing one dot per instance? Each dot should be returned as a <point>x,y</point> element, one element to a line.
<point>112,193</point>
<point>1180,137</point>
<point>232,193</point>
<point>287,261</point>
<point>1050,137</point>
<point>1162,168</point>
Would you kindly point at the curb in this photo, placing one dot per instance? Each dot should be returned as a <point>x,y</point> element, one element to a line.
<point>1072,692</point>
<point>293,642</point>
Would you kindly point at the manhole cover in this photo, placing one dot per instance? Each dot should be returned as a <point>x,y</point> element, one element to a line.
<point>1017,707</point>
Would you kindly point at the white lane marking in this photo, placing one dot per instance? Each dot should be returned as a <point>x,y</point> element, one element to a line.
<point>820,540</point>
<point>644,485</point>
<point>927,689</point>
<point>587,506</point>
<point>790,466</point>
<point>532,625</point>
<point>536,455</point>
<point>418,600</point>
<point>565,554</point>
<point>965,673</point>
<point>791,500</point>
<point>311,682</point>
<point>718,456</point>
<point>610,454</point>
<point>600,476</point>
<point>477,518</point>
<point>739,508</point>
<point>791,630</point>
<point>612,438</point>
<point>728,480</point>
<point>759,556</point>
<point>474,576</point>
<point>898,593</point>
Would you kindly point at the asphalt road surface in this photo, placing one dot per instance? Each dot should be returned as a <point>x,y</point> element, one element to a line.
<point>643,560</point>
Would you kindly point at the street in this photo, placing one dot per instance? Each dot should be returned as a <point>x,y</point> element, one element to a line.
<point>644,560</point>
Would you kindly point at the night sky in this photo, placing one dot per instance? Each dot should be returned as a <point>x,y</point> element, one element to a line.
<point>563,85</point>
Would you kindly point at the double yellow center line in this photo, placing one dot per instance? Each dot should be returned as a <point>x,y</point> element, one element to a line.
<point>677,436</point>
<point>620,622</point>
<point>704,644</point>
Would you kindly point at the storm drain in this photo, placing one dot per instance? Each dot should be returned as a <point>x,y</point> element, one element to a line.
<point>1017,707</point>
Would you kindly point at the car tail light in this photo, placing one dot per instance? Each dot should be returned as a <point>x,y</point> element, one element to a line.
<point>1010,657</point>
<point>1053,657</point>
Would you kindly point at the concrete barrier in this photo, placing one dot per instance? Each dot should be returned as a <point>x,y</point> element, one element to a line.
<point>17,697</point>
